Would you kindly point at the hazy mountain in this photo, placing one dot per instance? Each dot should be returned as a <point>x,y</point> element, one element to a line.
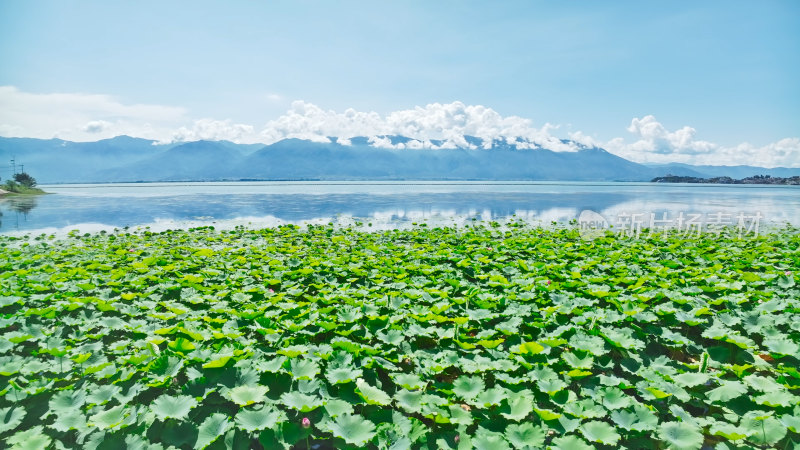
<point>193,161</point>
<point>131,159</point>
<point>736,172</point>
<point>59,161</point>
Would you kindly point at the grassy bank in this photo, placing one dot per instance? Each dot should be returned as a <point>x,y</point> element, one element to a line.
<point>436,338</point>
<point>14,188</point>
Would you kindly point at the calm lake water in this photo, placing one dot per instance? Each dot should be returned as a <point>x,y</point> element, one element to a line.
<point>384,204</point>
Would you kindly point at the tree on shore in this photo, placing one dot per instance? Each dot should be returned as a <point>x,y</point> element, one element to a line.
<point>24,179</point>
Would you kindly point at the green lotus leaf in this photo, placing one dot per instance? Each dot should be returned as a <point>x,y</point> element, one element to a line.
<point>460,416</point>
<point>622,338</point>
<point>10,418</point>
<point>640,419</point>
<point>341,375</point>
<point>182,345</point>
<point>70,420</point>
<point>109,418</point>
<point>409,401</point>
<point>301,402</point>
<point>570,442</point>
<point>258,419</point>
<point>273,365</point>
<point>484,439</point>
<point>613,398</point>
<point>103,394</point>
<point>336,407</point>
<point>217,362</point>
<point>763,431</point>
<point>408,381</point>
<point>10,367</point>
<point>690,379</point>
<point>489,397</point>
<point>680,436</point>
<point>372,395</point>
<point>525,435</point>
<point>579,362</point>
<point>777,398</point>
<point>592,344</point>
<point>518,407</point>
<point>596,431</point>
<point>781,346</point>
<point>31,439</point>
<point>303,369</point>
<point>727,430</point>
<point>247,395</point>
<point>585,408</point>
<point>293,351</point>
<point>392,336</point>
<point>430,333</point>
<point>530,348</point>
<point>211,429</point>
<point>547,414</point>
<point>727,390</point>
<point>551,386</point>
<point>786,281</point>
<point>178,407</point>
<point>792,421</point>
<point>166,366</point>
<point>67,400</point>
<point>468,387</point>
<point>762,384</point>
<point>355,430</point>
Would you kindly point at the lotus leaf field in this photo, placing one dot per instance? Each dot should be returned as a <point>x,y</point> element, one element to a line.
<point>485,336</point>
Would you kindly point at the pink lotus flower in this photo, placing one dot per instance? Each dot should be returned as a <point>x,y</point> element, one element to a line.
<point>306,422</point>
<point>457,439</point>
<point>548,282</point>
<point>788,273</point>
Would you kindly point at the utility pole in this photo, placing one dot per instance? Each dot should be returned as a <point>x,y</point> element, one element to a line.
<point>22,168</point>
<point>13,167</point>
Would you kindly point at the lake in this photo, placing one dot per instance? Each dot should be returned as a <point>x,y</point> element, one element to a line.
<point>163,206</point>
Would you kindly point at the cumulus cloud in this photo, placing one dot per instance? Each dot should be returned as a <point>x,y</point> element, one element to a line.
<point>655,144</point>
<point>96,126</point>
<point>451,123</point>
<point>89,117</point>
<point>214,130</point>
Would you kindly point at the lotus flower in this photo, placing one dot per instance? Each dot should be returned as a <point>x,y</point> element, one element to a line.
<point>306,422</point>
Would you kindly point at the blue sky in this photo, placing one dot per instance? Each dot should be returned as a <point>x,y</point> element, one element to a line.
<point>727,69</point>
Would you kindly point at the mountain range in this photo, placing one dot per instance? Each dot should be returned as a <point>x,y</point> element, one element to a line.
<point>128,159</point>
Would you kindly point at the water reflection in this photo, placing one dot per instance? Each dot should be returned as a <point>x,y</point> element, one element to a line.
<point>16,210</point>
<point>385,206</point>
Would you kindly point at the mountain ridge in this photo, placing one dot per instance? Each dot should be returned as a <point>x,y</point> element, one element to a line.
<point>130,159</point>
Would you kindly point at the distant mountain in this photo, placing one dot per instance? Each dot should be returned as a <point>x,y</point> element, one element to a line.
<point>131,159</point>
<point>736,172</point>
<point>59,161</point>
<point>193,161</point>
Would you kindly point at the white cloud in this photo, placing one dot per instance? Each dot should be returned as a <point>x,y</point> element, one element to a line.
<point>89,117</point>
<point>450,122</point>
<point>214,130</point>
<point>96,126</point>
<point>82,117</point>
<point>655,144</point>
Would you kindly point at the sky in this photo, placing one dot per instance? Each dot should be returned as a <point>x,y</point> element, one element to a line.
<point>684,81</point>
